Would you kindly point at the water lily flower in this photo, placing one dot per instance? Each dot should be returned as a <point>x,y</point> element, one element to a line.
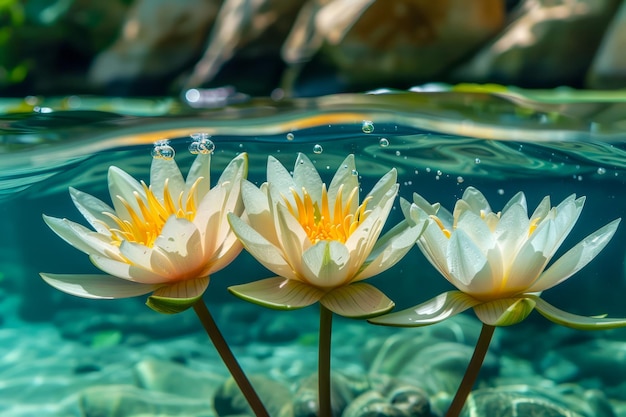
<point>166,238</point>
<point>320,242</point>
<point>498,261</point>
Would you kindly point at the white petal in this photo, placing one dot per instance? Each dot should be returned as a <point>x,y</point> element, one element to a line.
<point>81,238</point>
<point>517,199</point>
<point>358,300</point>
<point>384,189</point>
<point>524,271</point>
<point>361,242</point>
<point>512,231</point>
<point>434,245</point>
<point>542,209</point>
<point>432,311</point>
<point>263,250</point>
<point>230,248</point>
<point>476,201</point>
<point>97,286</point>
<point>258,211</point>
<point>390,249</point>
<point>189,288</point>
<point>236,170</point>
<point>476,229</point>
<point>576,258</point>
<point>468,264</point>
<point>422,203</point>
<point>574,321</point>
<point>123,185</point>
<point>305,175</point>
<point>180,241</point>
<point>280,181</point>
<point>201,167</point>
<point>162,170</point>
<point>92,208</point>
<point>325,265</point>
<point>211,219</point>
<point>504,312</point>
<point>344,176</point>
<point>278,293</point>
<point>127,271</point>
<point>292,237</point>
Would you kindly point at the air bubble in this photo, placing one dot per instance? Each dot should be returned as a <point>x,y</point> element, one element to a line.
<point>601,171</point>
<point>398,153</point>
<point>477,161</point>
<point>355,172</point>
<point>383,142</point>
<point>500,191</point>
<point>439,172</point>
<point>460,179</point>
<point>202,144</point>
<point>368,126</point>
<point>290,136</point>
<point>318,149</point>
<point>162,150</point>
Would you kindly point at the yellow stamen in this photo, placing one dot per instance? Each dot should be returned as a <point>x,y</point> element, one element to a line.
<point>437,220</point>
<point>316,219</point>
<point>145,224</point>
<point>533,225</point>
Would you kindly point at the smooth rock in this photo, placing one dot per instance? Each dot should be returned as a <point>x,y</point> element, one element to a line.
<point>305,399</point>
<point>400,41</point>
<point>546,43</point>
<point>397,400</point>
<point>244,45</point>
<point>159,39</point>
<point>128,400</point>
<point>229,400</point>
<point>522,400</point>
<point>173,378</point>
<point>608,69</point>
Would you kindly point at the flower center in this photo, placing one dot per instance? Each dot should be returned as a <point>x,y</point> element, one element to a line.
<point>318,221</point>
<point>145,225</point>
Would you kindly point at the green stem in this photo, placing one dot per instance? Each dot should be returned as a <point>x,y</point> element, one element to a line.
<point>229,359</point>
<point>471,373</point>
<point>323,372</point>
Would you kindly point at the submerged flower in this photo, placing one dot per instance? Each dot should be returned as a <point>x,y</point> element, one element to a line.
<point>166,238</point>
<point>321,242</point>
<point>498,260</point>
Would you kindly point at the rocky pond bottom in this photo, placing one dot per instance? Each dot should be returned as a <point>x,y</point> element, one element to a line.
<point>140,363</point>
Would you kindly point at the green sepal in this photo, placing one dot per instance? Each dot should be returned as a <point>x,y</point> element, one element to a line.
<point>169,305</point>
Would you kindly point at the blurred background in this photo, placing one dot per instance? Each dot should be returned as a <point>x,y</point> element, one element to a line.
<point>297,48</point>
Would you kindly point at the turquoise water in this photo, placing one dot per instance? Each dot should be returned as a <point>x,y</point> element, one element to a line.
<point>440,142</point>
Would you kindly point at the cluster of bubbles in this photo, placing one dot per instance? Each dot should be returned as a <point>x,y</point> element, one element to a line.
<point>201,144</point>
<point>163,150</point>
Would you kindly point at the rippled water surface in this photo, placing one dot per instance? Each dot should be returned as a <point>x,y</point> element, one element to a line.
<point>543,144</point>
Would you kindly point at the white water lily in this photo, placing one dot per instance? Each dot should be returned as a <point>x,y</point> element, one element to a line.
<point>320,242</point>
<point>498,261</point>
<point>166,238</point>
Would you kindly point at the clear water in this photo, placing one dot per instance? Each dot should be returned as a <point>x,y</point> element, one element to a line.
<point>440,143</point>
